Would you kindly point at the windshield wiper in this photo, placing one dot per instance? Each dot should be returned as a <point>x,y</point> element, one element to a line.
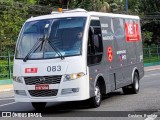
<point>34,48</point>
<point>56,50</point>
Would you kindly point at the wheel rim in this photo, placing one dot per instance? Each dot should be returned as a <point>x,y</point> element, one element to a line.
<point>97,95</point>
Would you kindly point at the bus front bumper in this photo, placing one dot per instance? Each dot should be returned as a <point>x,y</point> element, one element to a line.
<point>51,99</point>
<point>66,91</point>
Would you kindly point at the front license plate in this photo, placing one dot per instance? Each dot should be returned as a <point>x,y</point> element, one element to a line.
<point>42,87</point>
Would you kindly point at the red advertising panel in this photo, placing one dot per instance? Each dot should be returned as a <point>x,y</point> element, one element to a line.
<point>132,32</point>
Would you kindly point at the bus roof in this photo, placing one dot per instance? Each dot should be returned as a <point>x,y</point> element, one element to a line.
<point>80,14</point>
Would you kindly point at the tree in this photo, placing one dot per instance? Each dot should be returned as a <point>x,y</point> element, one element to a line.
<point>149,6</point>
<point>12,16</point>
<point>11,20</point>
<point>150,11</point>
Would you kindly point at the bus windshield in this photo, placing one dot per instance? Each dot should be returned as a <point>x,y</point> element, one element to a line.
<point>65,34</point>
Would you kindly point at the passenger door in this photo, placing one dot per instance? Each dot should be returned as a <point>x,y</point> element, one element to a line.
<point>94,52</point>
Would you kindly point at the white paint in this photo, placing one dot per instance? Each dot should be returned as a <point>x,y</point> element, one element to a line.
<point>74,10</point>
<point>141,57</point>
<point>150,118</point>
<point>7,104</point>
<point>47,25</point>
<point>108,37</point>
<point>151,69</point>
<point>124,57</point>
<point>7,99</point>
<point>130,29</point>
<point>121,52</point>
<point>94,18</point>
<point>5,90</point>
<point>104,32</point>
<point>104,25</point>
<point>151,75</point>
<point>80,14</point>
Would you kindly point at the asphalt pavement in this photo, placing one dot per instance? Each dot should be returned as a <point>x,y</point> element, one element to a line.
<point>115,105</point>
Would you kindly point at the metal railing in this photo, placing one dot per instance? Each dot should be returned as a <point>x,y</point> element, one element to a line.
<point>6,66</point>
<point>151,54</point>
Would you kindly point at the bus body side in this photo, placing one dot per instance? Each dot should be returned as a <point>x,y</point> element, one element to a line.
<point>122,55</point>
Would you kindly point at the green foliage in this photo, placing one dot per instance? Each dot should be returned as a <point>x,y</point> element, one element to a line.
<point>85,4</point>
<point>44,2</point>
<point>13,13</point>
<point>31,2</point>
<point>149,6</point>
<point>116,5</point>
<point>11,20</point>
<point>4,68</point>
<point>147,36</point>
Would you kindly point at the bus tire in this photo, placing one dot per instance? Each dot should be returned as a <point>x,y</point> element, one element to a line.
<point>134,87</point>
<point>39,105</point>
<point>95,101</point>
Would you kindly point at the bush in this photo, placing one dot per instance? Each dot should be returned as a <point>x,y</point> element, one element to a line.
<point>4,70</point>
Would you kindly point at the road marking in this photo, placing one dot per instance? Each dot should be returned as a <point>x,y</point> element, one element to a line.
<point>151,75</point>
<point>6,98</point>
<point>6,90</point>
<point>7,104</point>
<point>150,118</point>
<point>151,69</point>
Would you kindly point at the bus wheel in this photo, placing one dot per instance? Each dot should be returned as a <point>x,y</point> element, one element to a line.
<point>96,100</point>
<point>134,87</point>
<point>39,105</point>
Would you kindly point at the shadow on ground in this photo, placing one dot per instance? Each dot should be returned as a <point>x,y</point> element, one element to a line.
<point>76,108</point>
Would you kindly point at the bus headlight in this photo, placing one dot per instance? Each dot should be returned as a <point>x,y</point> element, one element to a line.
<point>73,76</point>
<point>18,79</point>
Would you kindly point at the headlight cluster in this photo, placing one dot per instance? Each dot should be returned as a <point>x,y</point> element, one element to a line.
<point>73,76</point>
<point>18,79</point>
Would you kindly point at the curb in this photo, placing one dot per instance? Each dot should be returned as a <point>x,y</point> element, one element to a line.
<point>6,82</point>
<point>146,70</point>
<point>151,64</point>
<point>6,85</point>
<point>5,88</point>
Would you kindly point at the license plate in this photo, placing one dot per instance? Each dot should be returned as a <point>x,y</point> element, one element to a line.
<point>42,87</point>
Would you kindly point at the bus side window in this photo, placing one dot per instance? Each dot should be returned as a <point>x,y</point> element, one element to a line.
<point>95,46</point>
<point>97,39</point>
<point>90,43</point>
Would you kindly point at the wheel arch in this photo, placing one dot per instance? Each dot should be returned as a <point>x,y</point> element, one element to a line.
<point>135,69</point>
<point>101,81</point>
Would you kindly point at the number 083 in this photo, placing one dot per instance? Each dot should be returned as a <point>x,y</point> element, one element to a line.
<point>53,68</point>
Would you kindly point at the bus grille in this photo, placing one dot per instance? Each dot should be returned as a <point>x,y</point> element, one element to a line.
<point>43,93</point>
<point>43,80</point>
